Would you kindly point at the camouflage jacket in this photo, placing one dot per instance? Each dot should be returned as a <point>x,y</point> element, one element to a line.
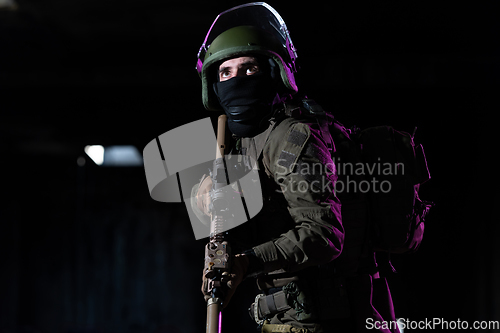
<point>300,224</point>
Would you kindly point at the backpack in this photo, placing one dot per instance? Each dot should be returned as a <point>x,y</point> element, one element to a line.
<point>385,168</point>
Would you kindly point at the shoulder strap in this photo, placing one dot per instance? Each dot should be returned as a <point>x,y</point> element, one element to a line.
<point>324,120</point>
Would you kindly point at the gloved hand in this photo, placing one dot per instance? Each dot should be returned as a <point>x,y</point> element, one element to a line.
<point>203,196</point>
<point>231,280</point>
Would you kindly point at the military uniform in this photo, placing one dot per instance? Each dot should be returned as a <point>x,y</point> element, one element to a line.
<point>300,223</point>
<point>298,236</point>
<point>310,281</point>
<point>299,178</point>
<point>292,163</point>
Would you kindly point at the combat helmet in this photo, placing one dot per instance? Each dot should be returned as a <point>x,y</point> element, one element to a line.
<point>254,28</point>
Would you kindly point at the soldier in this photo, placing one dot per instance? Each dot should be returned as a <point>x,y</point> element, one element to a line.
<point>293,246</point>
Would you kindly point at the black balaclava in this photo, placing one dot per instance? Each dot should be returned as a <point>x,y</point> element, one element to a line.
<point>248,100</point>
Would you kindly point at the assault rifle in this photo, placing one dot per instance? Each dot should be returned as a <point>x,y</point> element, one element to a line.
<point>217,251</point>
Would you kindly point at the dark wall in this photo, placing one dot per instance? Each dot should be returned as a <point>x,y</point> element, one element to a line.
<point>85,248</point>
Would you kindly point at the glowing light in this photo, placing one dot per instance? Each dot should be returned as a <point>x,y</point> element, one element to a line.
<point>8,4</point>
<point>114,156</point>
<point>122,156</point>
<point>96,153</point>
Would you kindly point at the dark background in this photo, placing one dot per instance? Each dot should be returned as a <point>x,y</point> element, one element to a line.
<point>85,248</point>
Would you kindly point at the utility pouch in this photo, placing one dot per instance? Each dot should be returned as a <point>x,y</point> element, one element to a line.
<point>299,298</point>
<point>292,296</point>
<point>266,306</point>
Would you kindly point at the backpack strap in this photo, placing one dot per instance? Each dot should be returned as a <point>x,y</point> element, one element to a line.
<point>324,120</point>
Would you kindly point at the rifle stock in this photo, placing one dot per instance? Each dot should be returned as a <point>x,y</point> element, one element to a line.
<point>221,136</point>
<point>217,251</point>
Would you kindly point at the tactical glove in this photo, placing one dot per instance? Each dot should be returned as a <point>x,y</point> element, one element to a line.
<point>203,195</point>
<point>239,267</point>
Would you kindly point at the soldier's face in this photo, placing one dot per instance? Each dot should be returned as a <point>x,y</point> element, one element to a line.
<point>241,66</point>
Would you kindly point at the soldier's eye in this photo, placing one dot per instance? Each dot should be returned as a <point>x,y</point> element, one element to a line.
<point>224,75</point>
<point>252,70</point>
